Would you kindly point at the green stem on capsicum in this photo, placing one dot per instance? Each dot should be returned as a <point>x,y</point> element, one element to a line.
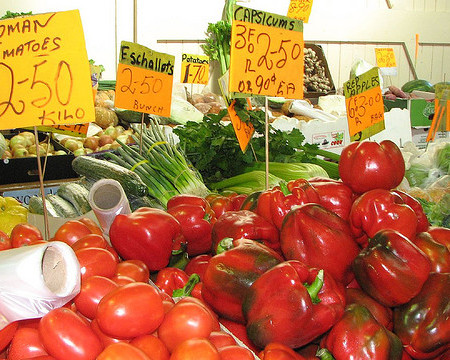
<point>315,287</point>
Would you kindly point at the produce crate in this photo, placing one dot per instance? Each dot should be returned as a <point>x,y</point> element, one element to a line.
<point>322,61</point>
<point>421,110</point>
<point>25,170</point>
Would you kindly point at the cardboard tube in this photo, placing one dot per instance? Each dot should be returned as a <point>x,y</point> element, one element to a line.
<point>107,200</point>
<point>36,279</point>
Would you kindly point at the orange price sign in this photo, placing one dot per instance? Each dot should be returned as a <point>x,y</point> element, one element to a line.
<point>266,54</point>
<point>194,69</point>
<point>244,131</point>
<point>364,103</point>
<point>144,80</point>
<point>300,9</point>
<point>44,71</point>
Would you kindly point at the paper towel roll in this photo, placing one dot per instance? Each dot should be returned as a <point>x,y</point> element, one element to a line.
<point>36,279</point>
<point>107,200</point>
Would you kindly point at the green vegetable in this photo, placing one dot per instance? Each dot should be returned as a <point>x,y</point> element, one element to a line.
<point>161,165</point>
<point>417,174</point>
<point>106,85</point>
<point>62,207</point>
<point>421,85</point>
<point>214,151</point>
<point>438,214</point>
<point>182,111</point>
<point>246,183</point>
<point>77,195</point>
<point>97,169</point>
<point>10,15</point>
<point>36,206</point>
<point>130,116</point>
<point>291,171</point>
<point>443,158</point>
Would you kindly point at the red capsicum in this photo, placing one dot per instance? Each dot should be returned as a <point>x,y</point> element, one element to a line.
<point>438,253</point>
<point>369,165</point>
<point>357,335</point>
<point>292,304</point>
<point>170,279</point>
<point>330,245</point>
<point>334,195</point>
<point>440,235</point>
<point>422,221</point>
<point>423,324</point>
<point>147,234</point>
<point>275,203</point>
<point>381,313</point>
<point>230,274</point>
<point>277,351</point>
<point>196,219</point>
<point>245,224</point>
<point>198,265</point>
<point>391,268</point>
<point>380,209</point>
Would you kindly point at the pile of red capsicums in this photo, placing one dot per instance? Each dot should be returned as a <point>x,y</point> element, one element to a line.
<point>310,269</point>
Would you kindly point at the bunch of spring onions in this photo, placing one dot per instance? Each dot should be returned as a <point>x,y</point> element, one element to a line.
<point>160,164</point>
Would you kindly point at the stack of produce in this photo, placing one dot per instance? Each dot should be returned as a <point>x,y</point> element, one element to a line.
<point>313,269</point>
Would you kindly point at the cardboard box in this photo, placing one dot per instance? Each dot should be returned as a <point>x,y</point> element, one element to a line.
<point>419,136</point>
<point>321,56</point>
<point>421,110</point>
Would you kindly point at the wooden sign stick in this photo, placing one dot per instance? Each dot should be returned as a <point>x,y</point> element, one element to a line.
<point>41,185</point>
<point>266,130</point>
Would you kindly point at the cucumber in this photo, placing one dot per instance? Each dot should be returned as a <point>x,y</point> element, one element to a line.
<point>97,169</point>
<point>77,195</point>
<point>36,206</point>
<point>63,208</point>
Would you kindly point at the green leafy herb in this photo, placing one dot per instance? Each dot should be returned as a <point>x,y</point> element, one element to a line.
<point>10,15</point>
<point>213,149</point>
<point>438,213</point>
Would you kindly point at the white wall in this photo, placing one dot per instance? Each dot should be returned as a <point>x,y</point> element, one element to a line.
<point>107,22</point>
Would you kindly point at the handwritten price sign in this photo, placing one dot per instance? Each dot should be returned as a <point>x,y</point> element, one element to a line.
<point>386,61</point>
<point>194,69</point>
<point>266,54</point>
<point>364,103</point>
<point>243,131</point>
<point>144,80</point>
<point>300,9</point>
<point>44,71</point>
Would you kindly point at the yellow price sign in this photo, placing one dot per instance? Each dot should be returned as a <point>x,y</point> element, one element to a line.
<point>77,130</point>
<point>243,131</point>
<point>266,54</point>
<point>44,71</point>
<point>144,80</point>
<point>194,69</point>
<point>385,57</point>
<point>364,104</point>
<point>300,9</point>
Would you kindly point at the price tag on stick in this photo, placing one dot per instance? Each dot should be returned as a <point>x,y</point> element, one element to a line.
<point>244,131</point>
<point>386,61</point>
<point>44,71</point>
<point>194,69</point>
<point>266,54</point>
<point>364,104</point>
<point>144,80</point>
<point>300,9</point>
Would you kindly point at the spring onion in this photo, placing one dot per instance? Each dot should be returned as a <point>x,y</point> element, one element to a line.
<point>291,171</point>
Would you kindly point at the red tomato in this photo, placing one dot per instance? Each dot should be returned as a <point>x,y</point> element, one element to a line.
<point>214,317</point>
<point>195,349</point>
<point>7,333</point>
<point>105,339</point>
<point>30,323</point>
<point>130,310</point>
<point>131,269</point>
<point>221,338</point>
<point>235,352</point>
<point>122,351</point>
<point>93,289</point>
<point>92,225</point>
<point>90,240</point>
<point>186,320</point>
<point>26,344</point>
<point>42,357</point>
<point>5,241</point>
<point>66,336</point>
<point>71,231</point>
<point>25,234</point>
<point>96,261</point>
<point>153,347</point>
<point>122,280</point>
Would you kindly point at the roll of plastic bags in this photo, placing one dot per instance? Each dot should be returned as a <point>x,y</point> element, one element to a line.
<point>36,279</point>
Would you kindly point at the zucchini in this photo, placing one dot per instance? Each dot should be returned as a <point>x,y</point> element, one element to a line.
<point>77,195</point>
<point>62,207</point>
<point>36,206</point>
<point>97,169</point>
